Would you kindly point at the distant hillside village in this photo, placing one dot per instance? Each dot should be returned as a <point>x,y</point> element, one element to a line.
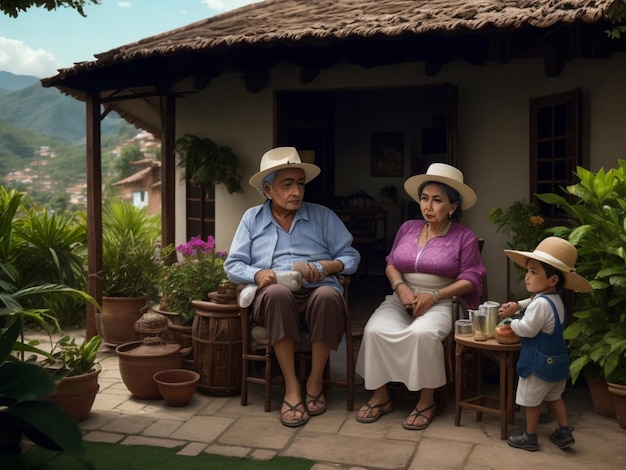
<point>143,187</point>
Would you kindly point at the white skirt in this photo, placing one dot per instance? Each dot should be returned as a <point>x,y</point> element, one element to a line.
<point>399,348</point>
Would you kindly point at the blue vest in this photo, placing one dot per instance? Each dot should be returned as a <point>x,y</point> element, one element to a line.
<point>545,355</point>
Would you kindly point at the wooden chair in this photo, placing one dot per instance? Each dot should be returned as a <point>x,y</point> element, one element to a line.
<point>458,309</point>
<point>367,222</point>
<point>258,359</point>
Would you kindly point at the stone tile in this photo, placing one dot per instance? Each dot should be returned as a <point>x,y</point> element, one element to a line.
<point>264,431</point>
<point>263,454</point>
<point>108,437</point>
<point>152,441</point>
<point>192,449</point>
<point>163,428</point>
<point>376,430</point>
<point>97,419</point>
<point>440,454</point>
<point>330,422</point>
<point>128,424</point>
<point>229,451</point>
<point>108,401</point>
<point>365,451</point>
<point>202,428</point>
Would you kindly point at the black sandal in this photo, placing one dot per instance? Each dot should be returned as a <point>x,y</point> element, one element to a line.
<point>315,400</point>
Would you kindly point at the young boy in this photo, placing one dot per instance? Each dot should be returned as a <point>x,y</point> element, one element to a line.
<point>543,365</point>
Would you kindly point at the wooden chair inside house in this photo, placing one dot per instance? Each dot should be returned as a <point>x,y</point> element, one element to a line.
<point>367,222</point>
<point>259,365</point>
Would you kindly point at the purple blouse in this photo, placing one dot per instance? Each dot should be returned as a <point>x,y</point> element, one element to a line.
<point>455,255</point>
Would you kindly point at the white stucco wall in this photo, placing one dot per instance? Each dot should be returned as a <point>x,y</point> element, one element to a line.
<point>493,105</point>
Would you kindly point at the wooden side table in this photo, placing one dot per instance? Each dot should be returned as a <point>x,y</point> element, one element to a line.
<point>506,408</point>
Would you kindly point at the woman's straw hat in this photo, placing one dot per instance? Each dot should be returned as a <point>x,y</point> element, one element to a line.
<point>442,173</point>
<point>280,158</point>
<point>559,254</point>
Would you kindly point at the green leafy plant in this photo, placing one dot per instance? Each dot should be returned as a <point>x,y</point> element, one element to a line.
<point>69,359</point>
<point>523,224</point>
<point>207,163</point>
<point>130,264</point>
<point>199,270</point>
<point>597,337</point>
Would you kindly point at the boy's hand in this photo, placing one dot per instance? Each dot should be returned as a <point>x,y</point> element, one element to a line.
<point>508,309</point>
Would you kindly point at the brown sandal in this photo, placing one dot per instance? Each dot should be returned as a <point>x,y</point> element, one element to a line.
<point>369,418</point>
<point>297,408</point>
<point>314,400</point>
<point>415,414</point>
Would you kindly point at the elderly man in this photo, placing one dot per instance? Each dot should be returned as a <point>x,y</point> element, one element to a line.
<point>287,234</point>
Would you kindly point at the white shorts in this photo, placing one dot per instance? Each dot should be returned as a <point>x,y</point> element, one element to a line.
<point>533,391</point>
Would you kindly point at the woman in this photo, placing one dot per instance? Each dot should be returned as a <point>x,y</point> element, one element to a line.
<point>431,261</point>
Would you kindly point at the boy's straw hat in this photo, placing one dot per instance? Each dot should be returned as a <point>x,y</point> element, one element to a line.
<point>559,254</point>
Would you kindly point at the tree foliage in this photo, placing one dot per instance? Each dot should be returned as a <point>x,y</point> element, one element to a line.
<point>14,7</point>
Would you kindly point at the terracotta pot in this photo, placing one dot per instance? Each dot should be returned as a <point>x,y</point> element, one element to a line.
<point>177,386</point>
<point>619,402</point>
<point>601,398</point>
<point>76,394</point>
<point>140,360</point>
<point>118,318</point>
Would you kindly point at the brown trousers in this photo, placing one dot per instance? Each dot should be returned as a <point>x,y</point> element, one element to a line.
<point>286,314</point>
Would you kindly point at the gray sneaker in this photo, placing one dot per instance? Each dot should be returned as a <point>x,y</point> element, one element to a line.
<point>563,439</point>
<point>521,441</point>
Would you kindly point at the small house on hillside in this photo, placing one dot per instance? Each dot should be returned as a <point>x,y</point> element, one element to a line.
<point>143,188</point>
<point>514,93</point>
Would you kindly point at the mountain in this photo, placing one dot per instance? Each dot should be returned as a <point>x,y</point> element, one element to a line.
<point>11,82</point>
<point>48,111</point>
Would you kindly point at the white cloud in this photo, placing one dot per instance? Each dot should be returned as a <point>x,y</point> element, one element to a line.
<point>222,5</point>
<point>16,57</point>
<point>124,4</point>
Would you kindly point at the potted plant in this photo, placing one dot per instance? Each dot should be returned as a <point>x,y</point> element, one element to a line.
<point>199,270</point>
<point>207,163</point>
<point>74,369</point>
<point>131,268</point>
<point>597,337</point>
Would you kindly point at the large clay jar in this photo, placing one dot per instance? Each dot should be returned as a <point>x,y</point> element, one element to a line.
<point>117,321</point>
<point>140,360</point>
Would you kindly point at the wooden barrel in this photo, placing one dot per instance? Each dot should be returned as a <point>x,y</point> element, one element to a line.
<point>216,341</point>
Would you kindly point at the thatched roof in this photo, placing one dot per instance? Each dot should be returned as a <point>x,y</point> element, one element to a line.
<point>315,34</point>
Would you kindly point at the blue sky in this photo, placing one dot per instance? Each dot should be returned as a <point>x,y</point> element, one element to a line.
<point>38,41</point>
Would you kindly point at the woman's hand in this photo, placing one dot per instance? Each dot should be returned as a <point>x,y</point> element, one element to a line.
<point>423,302</point>
<point>406,296</point>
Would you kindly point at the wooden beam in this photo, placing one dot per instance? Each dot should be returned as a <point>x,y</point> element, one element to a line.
<point>94,209</point>
<point>168,169</point>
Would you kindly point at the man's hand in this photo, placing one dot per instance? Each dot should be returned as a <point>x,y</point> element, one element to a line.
<point>264,278</point>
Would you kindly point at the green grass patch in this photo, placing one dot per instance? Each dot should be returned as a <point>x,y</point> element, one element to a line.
<point>106,456</point>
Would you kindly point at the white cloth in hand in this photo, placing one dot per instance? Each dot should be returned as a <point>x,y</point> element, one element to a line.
<point>291,279</point>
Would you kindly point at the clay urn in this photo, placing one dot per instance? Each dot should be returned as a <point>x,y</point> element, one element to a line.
<point>140,360</point>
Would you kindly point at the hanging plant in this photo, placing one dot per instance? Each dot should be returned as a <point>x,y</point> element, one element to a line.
<point>208,163</point>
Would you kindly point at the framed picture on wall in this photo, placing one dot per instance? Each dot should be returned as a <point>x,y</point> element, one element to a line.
<point>387,153</point>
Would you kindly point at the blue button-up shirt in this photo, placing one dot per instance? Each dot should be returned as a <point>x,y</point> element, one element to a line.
<point>316,234</point>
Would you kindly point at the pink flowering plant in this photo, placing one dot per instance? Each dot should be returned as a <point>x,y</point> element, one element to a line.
<point>199,269</point>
